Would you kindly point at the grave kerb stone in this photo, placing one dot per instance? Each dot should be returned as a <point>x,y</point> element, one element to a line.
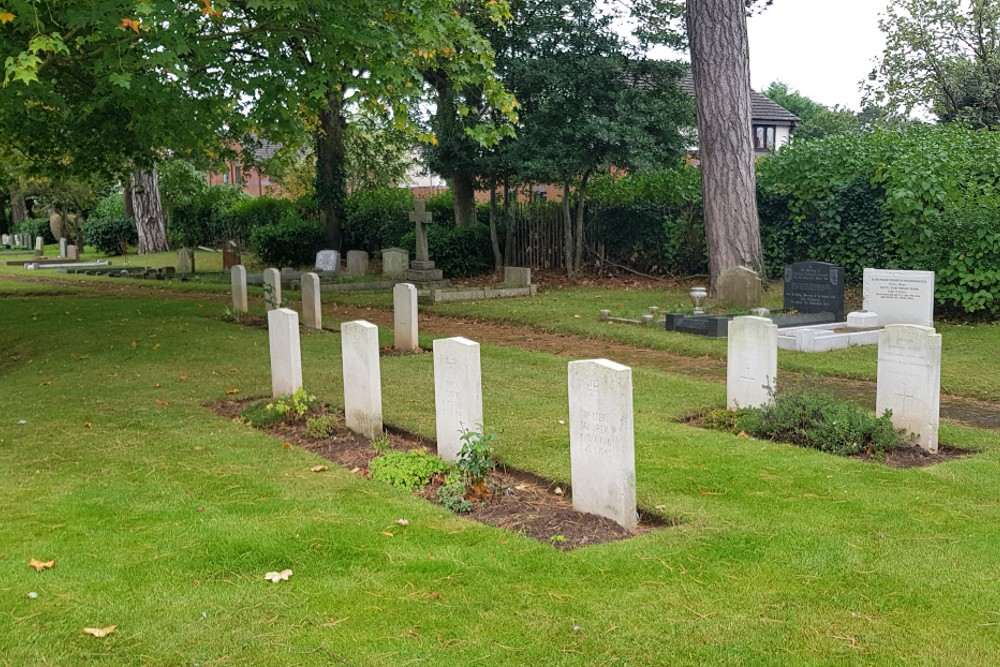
<point>602,440</point>
<point>362,378</point>
<point>404,308</point>
<point>272,289</point>
<point>238,284</point>
<point>900,297</point>
<point>286,355</point>
<point>751,362</point>
<point>458,393</point>
<point>312,307</point>
<point>909,380</point>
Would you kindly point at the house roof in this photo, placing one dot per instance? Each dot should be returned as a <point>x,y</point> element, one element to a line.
<point>761,108</point>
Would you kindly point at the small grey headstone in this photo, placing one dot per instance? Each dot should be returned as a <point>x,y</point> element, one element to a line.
<point>63,244</point>
<point>185,260</point>
<point>395,261</point>
<point>328,261</point>
<point>738,287</point>
<point>357,262</point>
<point>517,276</point>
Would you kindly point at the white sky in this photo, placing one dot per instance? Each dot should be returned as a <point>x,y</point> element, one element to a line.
<point>822,48</point>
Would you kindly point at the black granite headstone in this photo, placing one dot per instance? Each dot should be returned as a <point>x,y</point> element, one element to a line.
<point>815,287</point>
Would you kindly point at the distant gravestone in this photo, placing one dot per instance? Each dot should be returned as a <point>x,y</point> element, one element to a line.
<point>751,362</point>
<point>517,276</point>
<point>63,244</point>
<point>312,307</point>
<point>738,287</point>
<point>900,297</point>
<point>357,262</point>
<point>815,287</point>
<point>73,253</point>
<point>185,260</point>
<point>230,258</point>
<point>39,245</point>
<point>909,380</point>
<point>602,440</point>
<point>458,393</point>
<point>272,289</point>
<point>328,261</point>
<point>404,307</point>
<point>422,268</point>
<point>362,378</point>
<point>238,282</point>
<point>286,356</point>
<point>5,239</point>
<point>394,261</point>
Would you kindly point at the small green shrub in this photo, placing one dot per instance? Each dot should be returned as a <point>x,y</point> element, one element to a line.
<point>109,235</point>
<point>293,242</point>
<point>257,414</point>
<point>109,206</point>
<point>406,470</point>
<point>452,494</point>
<point>377,218</point>
<point>206,219</point>
<point>292,406</point>
<point>35,227</point>
<point>460,252</point>
<point>382,444</point>
<point>722,419</point>
<point>475,459</point>
<point>320,427</point>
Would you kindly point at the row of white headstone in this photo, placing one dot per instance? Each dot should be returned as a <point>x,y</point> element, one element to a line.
<point>602,450</point>
<point>908,381</point>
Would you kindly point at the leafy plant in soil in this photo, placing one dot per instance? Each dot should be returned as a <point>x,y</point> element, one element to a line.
<point>321,426</point>
<point>452,494</point>
<point>475,461</point>
<point>407,470</point>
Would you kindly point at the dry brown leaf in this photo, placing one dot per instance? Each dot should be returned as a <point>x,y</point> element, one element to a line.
<point>134,344</point>
<point>319,469</point>
<point>286,445</point>
<point>275,577</point>
<point>39,565</point>
<point>100,632</point>
<point>232,391</point>
<point>182,378</point>
<point>86,424</point>
<point>161,403</point>
<point>387,533</point>
<point>157,385</point>
<point>742,434</point>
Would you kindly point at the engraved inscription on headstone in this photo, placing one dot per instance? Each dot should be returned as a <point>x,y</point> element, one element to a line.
<point>909,380</point>
<point>458,393</point>
<point>815,287</point>
<point>900,297</point>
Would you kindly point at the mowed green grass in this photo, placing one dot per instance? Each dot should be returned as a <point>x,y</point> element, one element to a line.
<point>164,518</point>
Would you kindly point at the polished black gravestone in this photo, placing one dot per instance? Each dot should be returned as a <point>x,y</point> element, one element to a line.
<point>815,287</point>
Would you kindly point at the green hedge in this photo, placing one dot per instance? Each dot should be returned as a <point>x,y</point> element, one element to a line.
<point>458,251</point>
<point>292,242</point>
<point>108,234</point>
<point>376,219</point>
<point>207,219</point>
<point>36,227</point>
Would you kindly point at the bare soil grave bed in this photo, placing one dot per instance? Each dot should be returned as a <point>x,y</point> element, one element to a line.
<point>521,502</point>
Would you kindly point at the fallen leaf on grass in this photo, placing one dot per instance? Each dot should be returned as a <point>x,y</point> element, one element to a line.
<point>161,403</point>
<point>275,577</point>
<point>319,469</point>
<point>286,445</point>
<point>182,378</point>
<point>86,424</point>
<point>134,344</point>
<point>387,533</point>
<point>156,347</point>
<point>742,434</point>
<point>157,385</point>
<point>232,391</point>
<point>234,370</point>
<point>100,632</point>
<point>433,596</point>
<point>39,565</point>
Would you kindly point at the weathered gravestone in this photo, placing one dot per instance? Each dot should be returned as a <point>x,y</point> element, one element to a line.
<point>39,245</point>
<point>357,262</point>
<point>404,308</point>
<point>286,356</point>
<point>601,440</point>
<point>73,253</point>
<point>900,297</point>
<point>458,393</point>
<point>394,261</point>
<point>815,287</point>
<point>272,289</point>
<point>238,282</point>
<point>909,380</point>
<point>312,307</point>
<point>751,362</point>
<point>63,244</point>
<point>231,256</point>
<point>362,378</point>
<point>185,260</point>
<point>328,261</point>
<point>517,276</point>
<point>5,239</point>
<point>422,268</point>
<point>738,287</point>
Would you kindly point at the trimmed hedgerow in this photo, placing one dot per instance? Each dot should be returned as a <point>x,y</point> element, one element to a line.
<point>292,242</point>
<point>110,235</point>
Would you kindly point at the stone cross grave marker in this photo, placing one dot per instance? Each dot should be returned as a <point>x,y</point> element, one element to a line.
<point>909,380</point>
<point>900,297</point>
<point>272,289</point>
<point>815,287</point>
<point>751,362</point>
<point>312,307</point>
<point>738,287</point>
<point>602,440</point>
<point>238,283</point>
<point>420,216</point>
<point>286,355</point>
<point>404,320</point>
<point>362,378</point>
<point>458,393</point>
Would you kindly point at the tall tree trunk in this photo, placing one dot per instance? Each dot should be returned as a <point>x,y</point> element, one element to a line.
<point>331,177</point>
<point>508,219</point>
<point>463,193</point>
<point>581,194</point>
<point>145,188</point>
<point>129,209</point>
<point>720,65</point>
<point>18,209</point>
<point>494,237</point>
<point>568,233</point>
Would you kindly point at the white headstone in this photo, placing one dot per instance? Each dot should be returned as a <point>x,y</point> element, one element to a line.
<point>404,308</point>
<point>39,244</point>
<point>312,308</point>
<point>752,362</point>
<point>5,239</point>
<point>357,262</point>
<point>362,378</point>
<point>238,281</point>
<point>272,289</point>
<point>909,380</point>
<point>900,297</point>
<point>601,440</point>
<point>63,243</point>
<point>328,260</point>
<point>458,393</point>
<point>286,356</point>
<point>862,319</point>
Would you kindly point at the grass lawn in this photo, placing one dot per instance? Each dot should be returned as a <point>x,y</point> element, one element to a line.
<point>164,518</point>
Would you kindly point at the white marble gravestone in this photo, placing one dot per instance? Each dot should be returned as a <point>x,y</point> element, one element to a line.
<point>312,307</point>
<point>238,283</point>
<point>909,380</point>
<point>272,289</point>
<point>63,244</point>
<point>751,363</point>
<point>362,378</point>
<point>601,440</point>
<point>404,308</point>
<point>900,297</point>
<point>39,245</point>
<point>328,261</point>
<point>286,356</point>
<point>5,239</point>
<point>458,393</point>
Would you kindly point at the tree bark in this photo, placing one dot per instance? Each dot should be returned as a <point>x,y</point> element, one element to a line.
<point>720,65</point>
<point>148,211</point>
<point>129,209</point>
<point>581,194</point>
<point>18,209</point>
<point>331,177</point>
<point>494,237</point>
<point>463,193</point>
<point>568,233</point>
